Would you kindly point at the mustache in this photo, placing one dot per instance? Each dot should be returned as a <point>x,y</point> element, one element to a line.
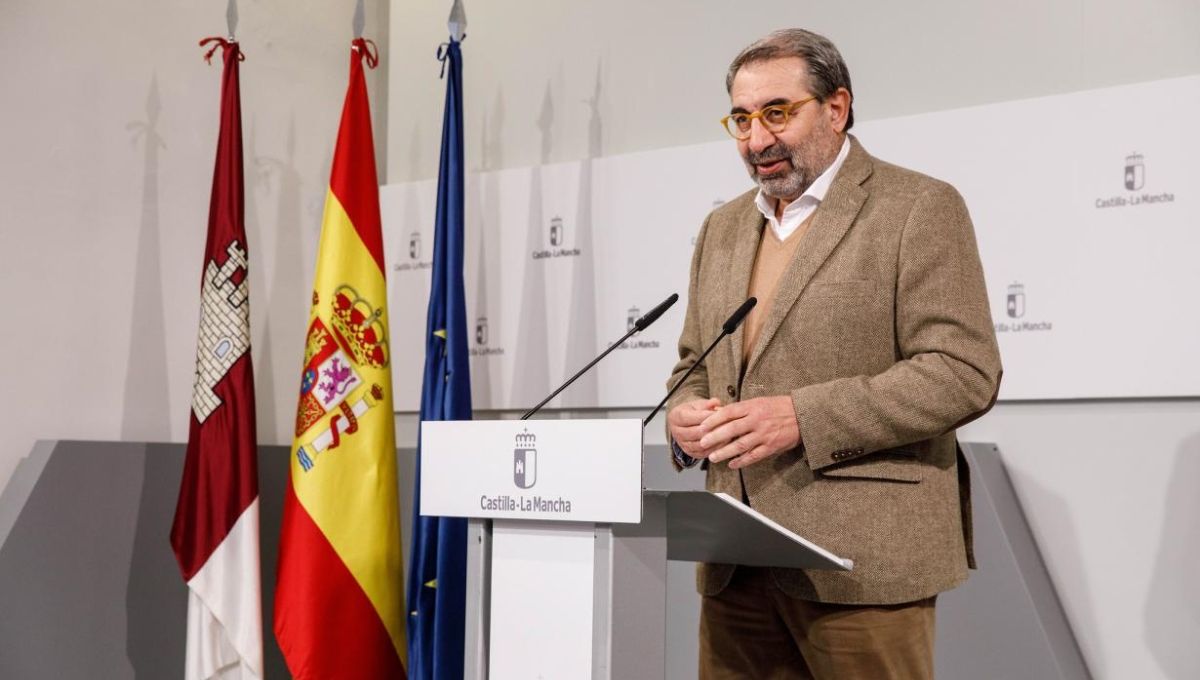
<point>776,152</point>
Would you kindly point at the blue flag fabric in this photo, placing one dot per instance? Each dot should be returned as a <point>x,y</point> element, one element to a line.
<point>437,573</point>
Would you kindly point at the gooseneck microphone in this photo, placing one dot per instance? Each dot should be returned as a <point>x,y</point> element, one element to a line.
<point>639,325</point>
<point>727,328</point>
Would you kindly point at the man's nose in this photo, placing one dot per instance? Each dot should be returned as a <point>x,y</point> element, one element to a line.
<point>760,136</point>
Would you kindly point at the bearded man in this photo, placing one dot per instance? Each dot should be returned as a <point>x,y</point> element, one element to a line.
<point>833,410</point>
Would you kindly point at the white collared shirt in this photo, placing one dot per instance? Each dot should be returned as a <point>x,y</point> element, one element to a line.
<point>800,209</point>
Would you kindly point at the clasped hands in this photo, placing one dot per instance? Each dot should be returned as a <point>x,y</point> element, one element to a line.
<point>742,433</point>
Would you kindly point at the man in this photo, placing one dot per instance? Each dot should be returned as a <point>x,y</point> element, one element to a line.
<point>833,409</point>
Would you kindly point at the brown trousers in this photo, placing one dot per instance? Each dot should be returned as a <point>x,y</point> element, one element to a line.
<point>752,629</point>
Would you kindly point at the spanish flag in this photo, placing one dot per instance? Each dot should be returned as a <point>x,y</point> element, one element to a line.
<point>339,607</point>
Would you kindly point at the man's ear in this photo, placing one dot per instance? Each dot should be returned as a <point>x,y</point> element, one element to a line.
<point>839,109</point>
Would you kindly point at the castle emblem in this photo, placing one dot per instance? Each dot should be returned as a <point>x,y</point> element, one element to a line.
<point>1015,305</point>
<point>1135,172</point>
<point>224,327</point>
<point>525,460</point>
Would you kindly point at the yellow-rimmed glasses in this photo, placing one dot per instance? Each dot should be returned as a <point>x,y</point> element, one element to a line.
<point>773,118</point>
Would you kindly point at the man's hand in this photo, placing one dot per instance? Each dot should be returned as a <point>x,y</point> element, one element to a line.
<point>750,431</point>
<point>684,422</point>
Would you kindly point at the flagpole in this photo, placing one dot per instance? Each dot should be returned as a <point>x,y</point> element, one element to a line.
<point>231,19</point>
<point>457,23</point>
<point>438,570</point>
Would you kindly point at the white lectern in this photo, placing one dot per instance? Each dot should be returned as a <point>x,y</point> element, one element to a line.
<point>567,552</point>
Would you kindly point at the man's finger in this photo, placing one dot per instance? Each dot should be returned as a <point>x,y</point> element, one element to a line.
<point>690,417</point>
<point>692,412</point>
<point>746,459</point>
<point>726,431</point>
<point>733,449</point>
<point>687,434</point>
<point>723,415</point>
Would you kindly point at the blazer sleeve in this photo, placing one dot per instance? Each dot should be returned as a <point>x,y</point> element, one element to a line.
<point>690,347</point>
<point>949,369</point>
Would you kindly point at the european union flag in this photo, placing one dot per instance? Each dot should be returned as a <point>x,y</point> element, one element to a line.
<point>438,568</point>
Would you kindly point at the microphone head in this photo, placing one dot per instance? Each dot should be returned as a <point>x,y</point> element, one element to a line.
<point>652,315</point>
<point>738,315</point>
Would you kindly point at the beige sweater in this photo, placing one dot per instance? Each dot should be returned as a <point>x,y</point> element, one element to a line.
<point>772,259</point>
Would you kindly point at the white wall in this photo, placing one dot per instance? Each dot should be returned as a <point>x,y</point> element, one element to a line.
<point>1110,487</point>
<point>109,124</point>
<point>661,64</point>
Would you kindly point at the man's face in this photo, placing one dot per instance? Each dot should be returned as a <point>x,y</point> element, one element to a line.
<point>783,163</point>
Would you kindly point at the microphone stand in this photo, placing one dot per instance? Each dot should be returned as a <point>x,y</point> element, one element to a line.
<point>639,325</point>
<point>583,370</point>
<point>727,328</point>
<point>675,389</point>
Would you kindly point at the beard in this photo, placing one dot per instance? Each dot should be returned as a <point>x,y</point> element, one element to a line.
<point>808,159</point>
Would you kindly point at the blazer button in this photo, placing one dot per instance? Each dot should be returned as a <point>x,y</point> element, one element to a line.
<point>730,391</point>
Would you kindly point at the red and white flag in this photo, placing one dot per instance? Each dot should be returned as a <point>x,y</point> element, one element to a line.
<point>215,534</point>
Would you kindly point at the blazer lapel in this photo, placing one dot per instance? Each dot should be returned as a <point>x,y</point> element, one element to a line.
<point>750,227</point>
<point>830,223</point>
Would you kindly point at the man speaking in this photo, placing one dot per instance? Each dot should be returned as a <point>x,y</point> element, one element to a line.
<point>833,410</point>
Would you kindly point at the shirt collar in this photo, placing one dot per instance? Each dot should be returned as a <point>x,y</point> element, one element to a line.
<point>815,192</point>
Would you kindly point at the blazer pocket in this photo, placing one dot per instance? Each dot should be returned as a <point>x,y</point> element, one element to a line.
<point>842,289</point>
<point>909,472</point>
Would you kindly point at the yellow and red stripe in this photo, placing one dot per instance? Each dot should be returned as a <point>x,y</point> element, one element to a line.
<point>339,607</point>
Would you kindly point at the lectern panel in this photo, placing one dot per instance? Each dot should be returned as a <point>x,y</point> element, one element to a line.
<point>544,470</point>
<point>712,527</point>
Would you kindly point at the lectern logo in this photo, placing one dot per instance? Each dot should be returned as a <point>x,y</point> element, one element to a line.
<point>525,460</point>
<point>1135,172</point>
<point>1016,301</point>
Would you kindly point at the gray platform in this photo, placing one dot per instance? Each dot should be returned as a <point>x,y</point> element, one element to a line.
<point>1006,622</point>
<point>89,587</point>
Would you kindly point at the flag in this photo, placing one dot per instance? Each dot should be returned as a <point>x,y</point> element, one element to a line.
<point>437,573</point>
<point>215,532</point>
<point>338,596</point>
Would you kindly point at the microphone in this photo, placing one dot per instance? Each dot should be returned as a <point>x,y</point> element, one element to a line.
<point>652,315</point>
<point>727,328</point>
<point>736,318</point>
<point>639,325</point>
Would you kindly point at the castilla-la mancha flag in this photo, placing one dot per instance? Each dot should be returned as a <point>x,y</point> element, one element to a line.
<point>215,534</point>
<point>339,604</point>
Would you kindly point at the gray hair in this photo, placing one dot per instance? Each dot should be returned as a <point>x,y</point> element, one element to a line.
<point>826,69</point>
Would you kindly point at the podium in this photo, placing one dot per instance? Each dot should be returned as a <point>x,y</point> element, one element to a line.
<point>567,551</point>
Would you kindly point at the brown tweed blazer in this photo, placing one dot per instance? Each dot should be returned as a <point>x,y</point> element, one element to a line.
<point>882,335</point>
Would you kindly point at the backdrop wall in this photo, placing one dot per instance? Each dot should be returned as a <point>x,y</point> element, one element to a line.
<point>106,157</point>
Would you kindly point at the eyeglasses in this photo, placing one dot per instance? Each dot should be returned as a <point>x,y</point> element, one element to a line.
<point>773,118</point>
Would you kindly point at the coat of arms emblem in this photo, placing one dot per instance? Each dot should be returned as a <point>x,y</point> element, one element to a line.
<point>525,460</point>
<point>334,355</point>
